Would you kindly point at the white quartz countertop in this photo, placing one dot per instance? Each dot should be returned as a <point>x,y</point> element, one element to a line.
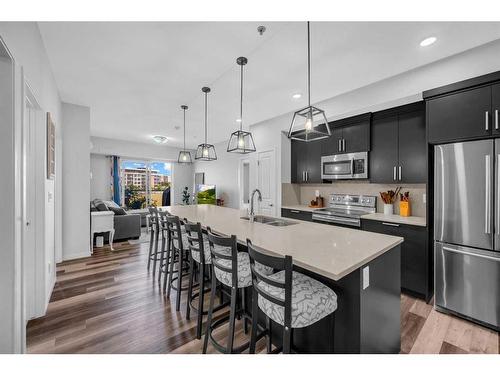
<point>328,250</point>
<point>408,220</point>
<point>301,207</point>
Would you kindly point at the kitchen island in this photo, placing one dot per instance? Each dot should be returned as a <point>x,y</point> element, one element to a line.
<point>363,269</point>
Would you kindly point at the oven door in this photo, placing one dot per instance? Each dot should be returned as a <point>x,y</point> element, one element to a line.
<point>344,166</point>
<point>336,220</point>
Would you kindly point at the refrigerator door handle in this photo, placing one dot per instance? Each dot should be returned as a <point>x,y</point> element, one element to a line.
<point>487,198</point>
<point>496,259</point>
<point>497,186</point>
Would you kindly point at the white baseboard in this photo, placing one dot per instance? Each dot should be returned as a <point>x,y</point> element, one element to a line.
<point>83,254</point>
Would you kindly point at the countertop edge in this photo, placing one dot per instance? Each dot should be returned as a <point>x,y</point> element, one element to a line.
<point>410,220</point>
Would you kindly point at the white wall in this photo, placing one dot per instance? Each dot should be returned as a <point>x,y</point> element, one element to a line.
<point>223,173</point>
<point>100,181</point>
<point>182,174</point>
<point>76,181</point>
<point>26,46</point>
<point>401,89</point>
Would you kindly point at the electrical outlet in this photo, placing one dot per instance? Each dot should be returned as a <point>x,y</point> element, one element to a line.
<point>366,277</point>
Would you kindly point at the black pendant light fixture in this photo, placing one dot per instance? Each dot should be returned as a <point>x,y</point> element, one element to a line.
<point>241,141</point>
<point>205,151</point>
<point>305,130</point>
<point>184,155</point>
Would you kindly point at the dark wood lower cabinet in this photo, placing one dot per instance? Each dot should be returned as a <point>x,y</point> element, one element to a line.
<point>415,257</point>
<point>296,214</point>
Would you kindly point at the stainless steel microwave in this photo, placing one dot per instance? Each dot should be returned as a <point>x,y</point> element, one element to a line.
<point>344,166</point>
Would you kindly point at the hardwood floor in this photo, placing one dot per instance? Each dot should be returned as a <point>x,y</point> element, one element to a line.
<point>109,303</point>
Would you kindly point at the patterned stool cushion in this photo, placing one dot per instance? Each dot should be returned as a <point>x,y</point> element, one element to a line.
<point>311,300</point>
<point>244,272</point>
<point>208,254</point>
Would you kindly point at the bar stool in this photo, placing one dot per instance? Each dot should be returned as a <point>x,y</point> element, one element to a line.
<point>289,298</point>
<point>165,252</point>
<point>233,271</point>
<point>201,257</point>
<point>177,253</point>
<point>153,238</point>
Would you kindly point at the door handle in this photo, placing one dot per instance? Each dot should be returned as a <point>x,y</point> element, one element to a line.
<point>487,198</point>
<point>486,120</point>
<point>394,174</point>
<point>295,211</point>
<point>496,119</point>
<point>446,248</point>
<point>390,224</point>
<point>399,173</point>
<point>497,221</point>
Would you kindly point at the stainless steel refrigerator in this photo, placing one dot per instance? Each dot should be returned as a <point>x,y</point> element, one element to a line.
<point>467,230</point>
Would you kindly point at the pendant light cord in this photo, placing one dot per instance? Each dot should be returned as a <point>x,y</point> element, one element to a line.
<point>206,95</point>
<point>184,129</point>
<point>308,66</point>
<point>241,99</point>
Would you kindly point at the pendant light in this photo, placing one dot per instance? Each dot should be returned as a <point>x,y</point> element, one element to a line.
<point>184,155</point>
<point>306,130</point>
<point>241,141</point>
<point>205,151</point>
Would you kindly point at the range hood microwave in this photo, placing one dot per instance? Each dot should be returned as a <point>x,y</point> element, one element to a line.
<point>345,166</point>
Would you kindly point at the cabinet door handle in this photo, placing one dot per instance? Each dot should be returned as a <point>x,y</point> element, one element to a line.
<point>343,144</point>
<point>390,224</point>
<point>295,211</point>
<point>486,120</point>
<point>307,175</point>
<point>394,174</point>
<point>496,119</point>
<point>303,176</point>
<point>399,173</point>
<point>340,145</point>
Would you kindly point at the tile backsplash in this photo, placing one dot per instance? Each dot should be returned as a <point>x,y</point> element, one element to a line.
<point>294,194</point>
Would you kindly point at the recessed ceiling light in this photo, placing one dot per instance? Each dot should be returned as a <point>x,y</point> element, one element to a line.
<point>159,139</point>
<point>238,120</point>
<point>428,41</point>
<point>297,96</point>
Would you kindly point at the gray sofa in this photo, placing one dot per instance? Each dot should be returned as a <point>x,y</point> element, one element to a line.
<point>127,226</point>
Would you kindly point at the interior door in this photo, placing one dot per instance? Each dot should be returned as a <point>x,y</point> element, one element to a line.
<point>266,176</point>
<point>463,204</point>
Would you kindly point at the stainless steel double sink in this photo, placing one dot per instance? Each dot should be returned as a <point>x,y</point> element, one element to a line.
<point>275,222</point>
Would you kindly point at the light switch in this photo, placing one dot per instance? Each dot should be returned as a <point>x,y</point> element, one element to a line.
<point>366,277</point>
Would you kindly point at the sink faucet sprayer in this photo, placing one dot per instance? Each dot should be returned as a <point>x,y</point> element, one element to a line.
<point>252,212</point>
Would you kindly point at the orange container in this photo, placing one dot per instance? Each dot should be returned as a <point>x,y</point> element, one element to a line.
<point>404,209</point>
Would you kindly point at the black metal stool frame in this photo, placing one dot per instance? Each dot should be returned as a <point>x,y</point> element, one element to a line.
<point>176,253</point>
<point>196,244</point>
<point>232,243</point>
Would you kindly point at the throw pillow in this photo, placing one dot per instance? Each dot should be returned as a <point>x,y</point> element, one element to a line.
<point>99,204</point>
<point>118,210</point>
<point>111,204</point>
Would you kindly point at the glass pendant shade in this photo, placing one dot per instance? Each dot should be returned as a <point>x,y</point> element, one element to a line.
<point>241,141</point>
<point>205,151</point>
<point>184,155</point>
<point>302,127</point>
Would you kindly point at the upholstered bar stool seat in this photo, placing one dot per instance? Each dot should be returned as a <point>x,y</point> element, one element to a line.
<point>244,271</point>
<point>311,300</point>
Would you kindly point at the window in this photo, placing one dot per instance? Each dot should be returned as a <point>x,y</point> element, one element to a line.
<point>145,183</point>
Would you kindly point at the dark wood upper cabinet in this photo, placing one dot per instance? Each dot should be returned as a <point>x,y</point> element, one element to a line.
<point>412,148</point>
<point>306,161</point>
<point>383,158</point>
<point>398,145</point>
<point>356,137</point>
<point>495,109</point>
<point>460,116</point>
<point>332,145</point>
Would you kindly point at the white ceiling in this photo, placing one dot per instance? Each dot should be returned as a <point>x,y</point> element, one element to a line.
<point>135,76</point>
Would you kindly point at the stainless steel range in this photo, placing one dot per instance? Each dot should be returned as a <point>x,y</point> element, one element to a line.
<point>346,209</point>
